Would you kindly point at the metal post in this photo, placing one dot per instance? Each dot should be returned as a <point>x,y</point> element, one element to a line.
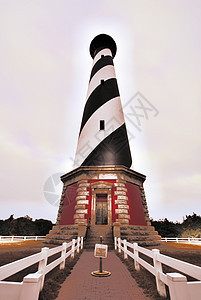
<point>101,263</point>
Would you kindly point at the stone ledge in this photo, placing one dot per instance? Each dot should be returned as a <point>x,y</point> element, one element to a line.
<point>80,189</point>
<point>118,184</point>
<point>82,211</point>
<point>80,206</point>
<point>80,202</point>
<point>120,197</point>
<point>121,189</point>
<point>81,221</point>
<point>81,197</point>
<point>123,206</point>
<point>121,211</point>
<point>119,193</point>
<point>84,184</point>
<point>121,202</point>
<point>121,181</point>
<point>123,216</point>
<point>122,221</point>
<point>83,193</point>
<point>79,216</point>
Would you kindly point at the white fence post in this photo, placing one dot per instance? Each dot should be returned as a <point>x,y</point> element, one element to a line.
<point>78,244</point>
<point>125,249</point>
<point>136,253</point>
<point>31,287</point>
<point>73,249</point>
<point>82,242</point>
<point>158,267</point>
<point>63,253</point>
<point>12,238</point>
<point>177,284</point>
<point>115,243</point>
<point>119,244</point>
<point>42,264</point>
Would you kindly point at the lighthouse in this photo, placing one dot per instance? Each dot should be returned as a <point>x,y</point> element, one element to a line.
<point>103,130</point>
<point>102,192</point>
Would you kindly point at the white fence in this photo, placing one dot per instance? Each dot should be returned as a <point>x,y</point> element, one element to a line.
<point>12,238</point>
<point>32,284</point>
<point>183,240</point>
<point>178,286</point>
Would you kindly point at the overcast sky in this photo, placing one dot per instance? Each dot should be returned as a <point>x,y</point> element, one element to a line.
<point>44,72</point>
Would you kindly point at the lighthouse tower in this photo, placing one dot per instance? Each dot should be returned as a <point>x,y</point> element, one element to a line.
<point>103,129</point>
<point>102,191</point>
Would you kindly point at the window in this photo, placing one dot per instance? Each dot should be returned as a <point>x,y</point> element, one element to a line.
<point>102,124</point>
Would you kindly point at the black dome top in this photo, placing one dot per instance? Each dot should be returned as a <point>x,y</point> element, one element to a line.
<point>100,42</point>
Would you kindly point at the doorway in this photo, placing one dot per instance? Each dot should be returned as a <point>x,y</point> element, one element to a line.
<point>101,209</point>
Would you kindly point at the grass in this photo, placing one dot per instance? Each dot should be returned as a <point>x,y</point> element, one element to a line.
<point>184,252</point>
<point>53,280</point>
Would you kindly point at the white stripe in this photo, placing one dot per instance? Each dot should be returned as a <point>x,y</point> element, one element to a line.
<point>91,136</point>
<point>104,52</point>
<point>105,73</point>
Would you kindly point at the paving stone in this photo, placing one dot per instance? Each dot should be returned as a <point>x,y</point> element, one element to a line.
<point>82,285</point>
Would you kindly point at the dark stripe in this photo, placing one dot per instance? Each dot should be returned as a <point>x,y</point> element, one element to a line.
<point>101,94</point>
<point>102,62</point>
<point>113,150</point>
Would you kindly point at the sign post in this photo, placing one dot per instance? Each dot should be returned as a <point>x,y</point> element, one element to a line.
<point>101,252</point>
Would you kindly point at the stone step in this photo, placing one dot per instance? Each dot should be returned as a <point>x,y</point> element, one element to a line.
<point>64,232</point>
<point>94,233</point>
<point>65,227</point>
<point>143,235</point>
<point>142,238</point>
<point>135,233</point>
<point>135,227</point>
<point>97,235</point>
<point>61,237</point>
<point>92,246</point>
<point>55,242</point>
<point>148,243</point>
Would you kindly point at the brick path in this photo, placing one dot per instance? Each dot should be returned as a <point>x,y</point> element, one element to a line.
<point>82,285</point>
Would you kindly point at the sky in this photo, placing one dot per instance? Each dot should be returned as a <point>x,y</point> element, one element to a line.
<point>45,68</point>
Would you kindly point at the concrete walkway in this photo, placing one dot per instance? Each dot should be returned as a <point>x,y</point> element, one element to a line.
<point>82,285</point>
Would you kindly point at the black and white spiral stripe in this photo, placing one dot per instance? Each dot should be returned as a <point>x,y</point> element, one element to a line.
<point>109,146</point>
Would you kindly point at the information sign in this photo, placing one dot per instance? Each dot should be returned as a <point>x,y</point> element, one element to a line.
<point>100,250</point>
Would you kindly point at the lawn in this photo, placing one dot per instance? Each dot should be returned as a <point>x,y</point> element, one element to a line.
<point>10,252</point>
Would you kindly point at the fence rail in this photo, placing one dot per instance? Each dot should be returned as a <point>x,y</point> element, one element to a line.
<point>188,240</point>
<point>12,238</point>
<point>32,284</point>
<point>178,286</point>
